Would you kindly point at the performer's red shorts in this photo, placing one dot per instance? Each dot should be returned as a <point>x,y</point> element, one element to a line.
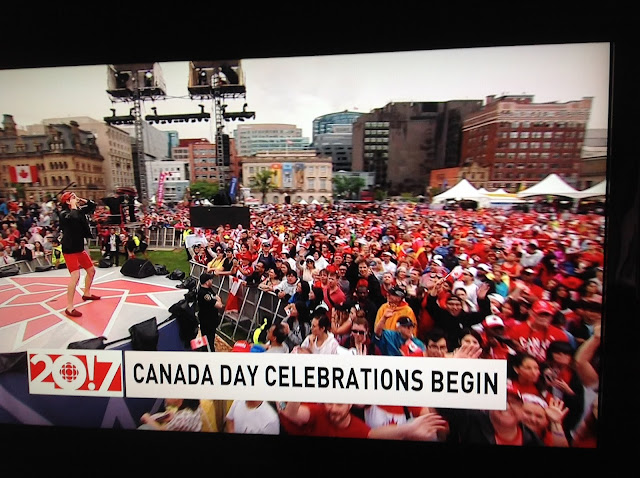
<point>77,260</point>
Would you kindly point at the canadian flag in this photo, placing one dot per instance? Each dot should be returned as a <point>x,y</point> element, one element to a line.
<point>23,174</point>
<point>199,341</point>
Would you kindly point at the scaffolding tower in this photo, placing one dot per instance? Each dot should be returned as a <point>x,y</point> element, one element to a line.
<point>135,83</point>
<point>218,81</point>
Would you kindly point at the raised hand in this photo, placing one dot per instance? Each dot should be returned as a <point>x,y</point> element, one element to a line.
<point>425,427</point>
<point>472,351</point>
<point>556,411</point>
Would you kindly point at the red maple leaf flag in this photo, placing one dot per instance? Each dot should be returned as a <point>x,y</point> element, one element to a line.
<point>23,174</point>
<point>199,341</point>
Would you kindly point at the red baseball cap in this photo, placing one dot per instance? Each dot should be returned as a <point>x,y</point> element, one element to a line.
<point>542,307</point>
<point>64,199</point>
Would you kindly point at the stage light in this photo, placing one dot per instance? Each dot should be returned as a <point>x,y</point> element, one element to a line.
<point>202,78</point>
<point>148,79</point>
<point>121,80</point>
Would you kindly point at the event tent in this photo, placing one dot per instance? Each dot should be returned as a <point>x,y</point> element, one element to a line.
<point>596,190</point>
<point>552,185</point>
<point>462,190</point>
<point>500,196</point>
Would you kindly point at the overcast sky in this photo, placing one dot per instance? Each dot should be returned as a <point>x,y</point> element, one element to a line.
<point>297,90</point>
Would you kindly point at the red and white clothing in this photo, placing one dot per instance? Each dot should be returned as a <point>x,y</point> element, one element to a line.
<point>320,426</point>
<point>536,342</point>
<point>380,415</point>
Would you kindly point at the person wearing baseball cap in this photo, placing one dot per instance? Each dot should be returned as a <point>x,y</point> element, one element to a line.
<point>399,342</point>
<point>536,333</point>
<point>75,229</point>
<point>209,305</point>
<point>450,317</point>
<point>395,308</point>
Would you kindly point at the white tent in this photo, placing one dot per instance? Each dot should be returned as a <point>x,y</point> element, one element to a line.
<point>462,190</point>
<point>303,202</point>
<point>599,189</point>
<point>500,196</point>
<point>483,191</point>
<point>552,185</point>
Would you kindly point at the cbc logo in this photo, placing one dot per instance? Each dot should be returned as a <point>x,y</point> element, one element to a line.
<point>95,373</point>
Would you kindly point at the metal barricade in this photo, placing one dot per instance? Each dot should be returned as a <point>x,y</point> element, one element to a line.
<point>160,238</point>
<point>26,267</point>
<point>254,306</point>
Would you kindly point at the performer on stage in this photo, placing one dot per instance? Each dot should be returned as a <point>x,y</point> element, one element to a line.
<point>75,228</point>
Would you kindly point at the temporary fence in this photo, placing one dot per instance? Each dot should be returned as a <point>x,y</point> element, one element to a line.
<point>254,305</point>
<point>25,267</point>
<point>160,238</point>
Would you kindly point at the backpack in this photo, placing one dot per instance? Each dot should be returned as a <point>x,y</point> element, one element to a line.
<point>177,275</point>
<point>190,283</point>
<point>161,270</point>
<point>184,311</point>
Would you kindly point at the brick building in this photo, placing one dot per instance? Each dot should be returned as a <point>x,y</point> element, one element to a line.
<point>522,142</point>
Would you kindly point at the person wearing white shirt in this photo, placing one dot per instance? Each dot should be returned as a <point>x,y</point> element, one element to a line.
<point>467,283</point>
<point>531,256</point>
<point>387,264</point>
<point>320,340</point>
<point>252,417</point>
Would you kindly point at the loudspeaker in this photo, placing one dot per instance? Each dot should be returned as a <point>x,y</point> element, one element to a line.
<point>210,217</point>
<point>96,343</point>
<point>138,268</point>
<point>144,336</point>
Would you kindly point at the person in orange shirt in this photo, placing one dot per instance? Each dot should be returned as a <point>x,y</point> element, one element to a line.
<point>394,308</point>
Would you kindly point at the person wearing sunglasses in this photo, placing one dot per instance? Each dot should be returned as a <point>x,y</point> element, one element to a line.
<point>399,342</point>
<point>358,341</point>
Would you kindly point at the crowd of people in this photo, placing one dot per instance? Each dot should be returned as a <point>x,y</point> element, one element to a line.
<point>31,230</point>
<point>403,279</point>
<point>406,280</point>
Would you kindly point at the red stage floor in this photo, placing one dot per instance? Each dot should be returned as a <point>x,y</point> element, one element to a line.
<point>32,307</point>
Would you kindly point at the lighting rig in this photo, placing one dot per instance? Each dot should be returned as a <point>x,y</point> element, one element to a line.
<point>178,118</point>
<point>135,83</point>
<point>216,80</point>
<point>219,81</point>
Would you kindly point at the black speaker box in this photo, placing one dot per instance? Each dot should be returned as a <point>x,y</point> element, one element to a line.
<point>96,343</point>
<point>210,217</point>
<point>138,268</point>
<point>144,336</point>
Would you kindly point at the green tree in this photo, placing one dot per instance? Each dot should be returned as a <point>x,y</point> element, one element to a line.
<point>206,190</point>
<point>340,185</point>
<point>263,183</point>
<point>356,183</point>
<point>348,186</point>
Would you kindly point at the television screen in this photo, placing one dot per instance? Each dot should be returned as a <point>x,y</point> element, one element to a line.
<point>441,238</point>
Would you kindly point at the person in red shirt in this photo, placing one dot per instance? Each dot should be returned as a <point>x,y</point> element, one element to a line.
<point>333,294</point>
<point>495,345</point>
<point>593,254</point>
<point>527,371</point>
<point>536,333</point>
<point>336,420</point>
